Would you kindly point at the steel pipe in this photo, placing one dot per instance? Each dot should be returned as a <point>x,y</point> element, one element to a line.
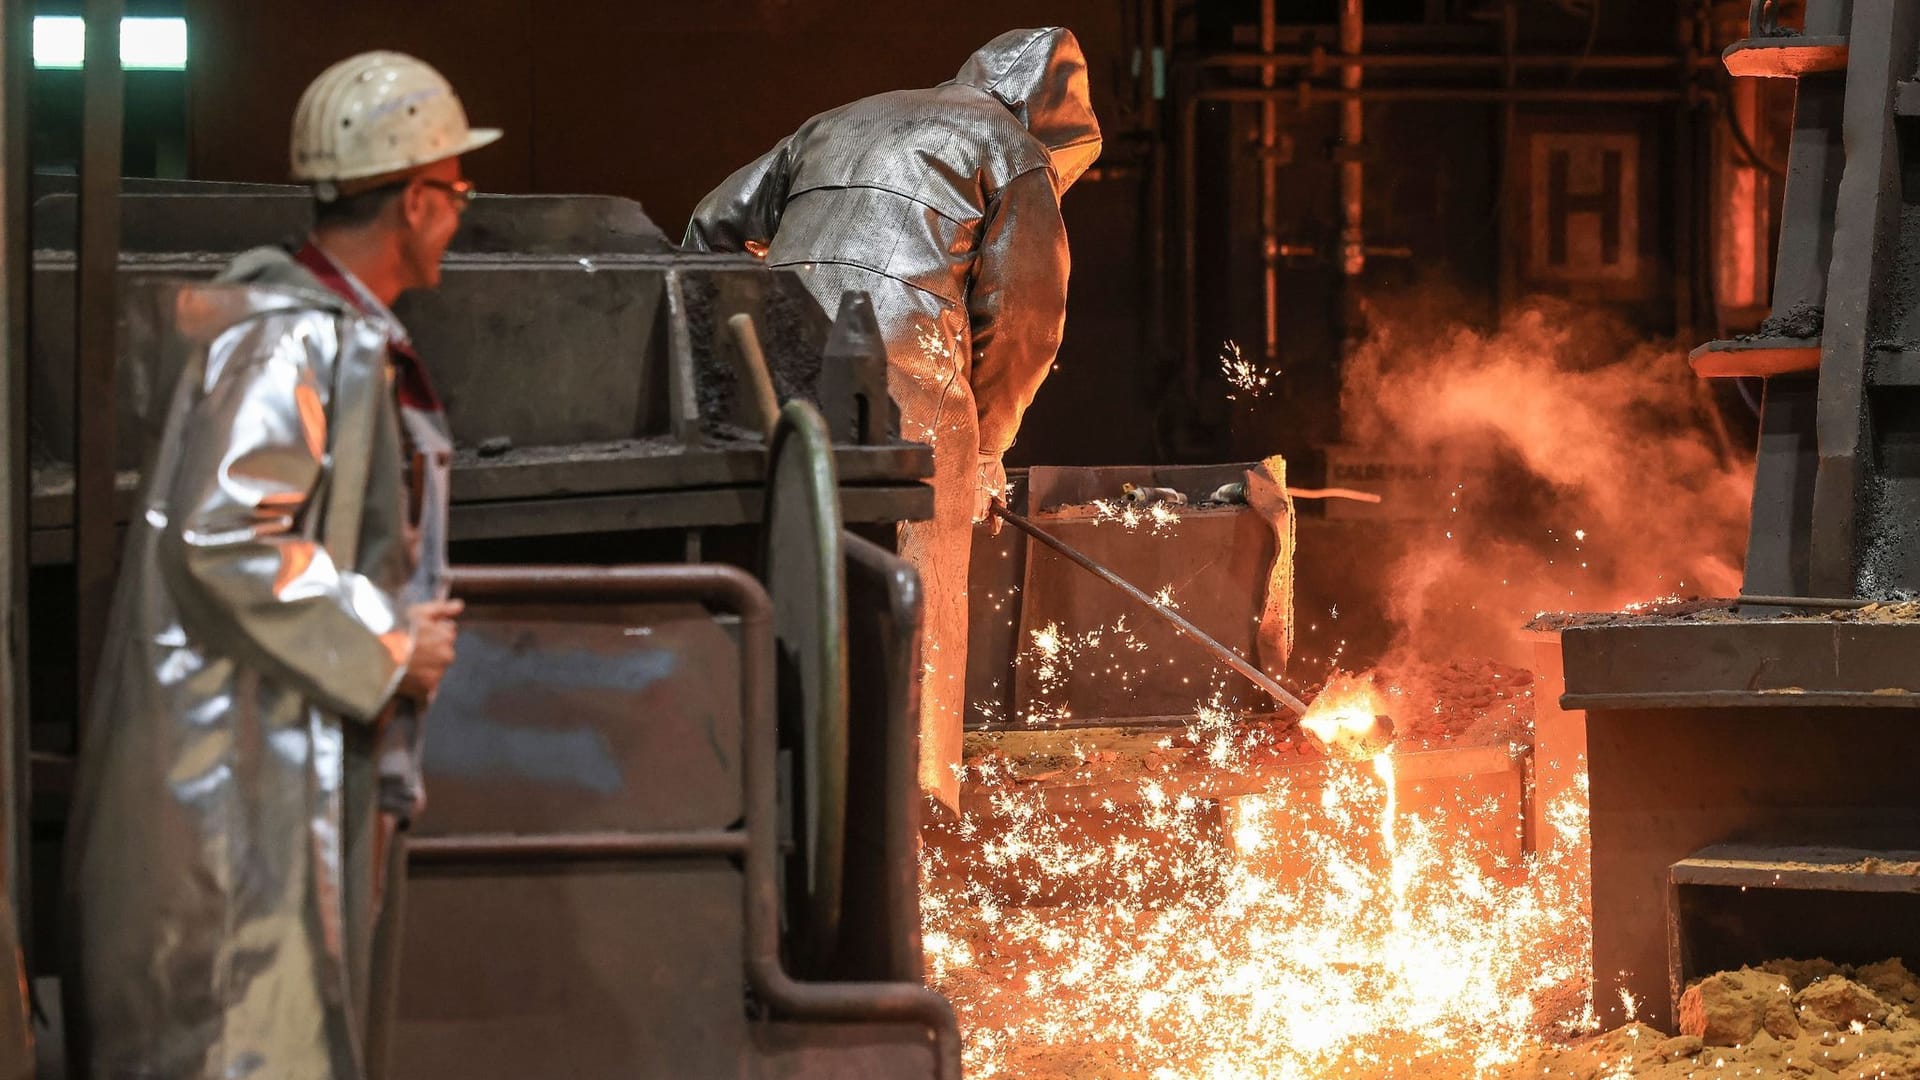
<point>1353,256</point>
<point>1319,60</point>
<point>94,398</point>
<point>1269,195</point>
<point>731,843</point>
<point>782,992</point>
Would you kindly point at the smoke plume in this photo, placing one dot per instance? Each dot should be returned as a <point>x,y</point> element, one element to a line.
<point>1573,466</point>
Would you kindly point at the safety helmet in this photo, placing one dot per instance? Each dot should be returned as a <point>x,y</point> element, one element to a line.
<point>377,114</point>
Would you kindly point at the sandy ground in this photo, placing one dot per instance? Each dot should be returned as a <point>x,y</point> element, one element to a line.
<point>1784,1019</point>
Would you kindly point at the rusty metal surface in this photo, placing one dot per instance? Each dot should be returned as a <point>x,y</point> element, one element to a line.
<point>1163,607</point>
<point>1214,563</point>
<point>1771,663</point>
<point>615,951</point>
<point>591,971</point>
<point>583,716</point>
<point>586,777</point>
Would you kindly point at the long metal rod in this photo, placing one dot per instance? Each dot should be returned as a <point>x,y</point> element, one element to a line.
<point>1232,659</point>
<point>1269,196</point>
<point>1319,59</point>
<point>1829,603</point>
<point>1353,245</point>
<point>1507,272</point>
<point>1687,202</point>
<point>1523,95</point>
<point>1190,244</point>
<point>1157,210</point>
<point>578,845</point>
<point>95,402</point>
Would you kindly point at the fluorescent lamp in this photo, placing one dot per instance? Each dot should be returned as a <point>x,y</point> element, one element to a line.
<point>60,41</point>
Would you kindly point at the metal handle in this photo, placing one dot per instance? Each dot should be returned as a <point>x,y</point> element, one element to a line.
<point>755,380</point>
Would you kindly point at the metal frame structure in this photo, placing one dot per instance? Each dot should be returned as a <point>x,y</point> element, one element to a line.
<point>1752,766</point>
<point>588,286</point>
<point>884,997</point>
<point>1671,80</point>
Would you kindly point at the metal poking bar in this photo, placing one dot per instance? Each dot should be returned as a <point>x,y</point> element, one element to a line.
<point>94,399</point>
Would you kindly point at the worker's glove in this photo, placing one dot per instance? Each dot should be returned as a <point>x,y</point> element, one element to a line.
<point>990,483</point>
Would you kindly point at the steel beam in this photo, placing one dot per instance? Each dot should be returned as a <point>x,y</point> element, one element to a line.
<point>96,314</point>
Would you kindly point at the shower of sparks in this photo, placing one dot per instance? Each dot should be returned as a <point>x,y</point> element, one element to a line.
<point>1312,931</point>
<point>1158,517</point>
<point>1245,376</point>
<point>1052,655</point>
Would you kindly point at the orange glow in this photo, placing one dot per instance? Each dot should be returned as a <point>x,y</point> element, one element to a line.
<point>1346,715</point>
<point>1341,924</point>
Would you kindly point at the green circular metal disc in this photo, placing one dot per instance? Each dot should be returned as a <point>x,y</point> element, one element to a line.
<point>804,575</point>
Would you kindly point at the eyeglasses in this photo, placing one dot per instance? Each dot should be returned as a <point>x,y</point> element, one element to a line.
<point>461,190</point>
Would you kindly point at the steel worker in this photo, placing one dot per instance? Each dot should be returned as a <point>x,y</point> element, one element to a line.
<point>943,205</point>
<point>280,623</point>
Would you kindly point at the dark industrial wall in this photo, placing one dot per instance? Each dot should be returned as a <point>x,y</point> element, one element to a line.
<point>660,101</point>
<point>654,101</point>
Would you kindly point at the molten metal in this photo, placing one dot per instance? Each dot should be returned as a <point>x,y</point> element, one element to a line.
<point>1348,719</point>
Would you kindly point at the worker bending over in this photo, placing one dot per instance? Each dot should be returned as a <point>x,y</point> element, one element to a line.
<point>943,206</point>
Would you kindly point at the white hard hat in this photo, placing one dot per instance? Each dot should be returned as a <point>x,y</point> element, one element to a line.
<point>376,114</point>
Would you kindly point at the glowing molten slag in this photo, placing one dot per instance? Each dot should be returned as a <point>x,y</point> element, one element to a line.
<point>1316,930</point>
<point>1348,718</point>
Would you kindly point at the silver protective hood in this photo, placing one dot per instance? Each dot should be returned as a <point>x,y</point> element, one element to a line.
<point>1041,75</point>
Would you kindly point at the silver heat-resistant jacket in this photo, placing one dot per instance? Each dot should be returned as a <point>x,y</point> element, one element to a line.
<point>218,850</point>
<point>943,205</point>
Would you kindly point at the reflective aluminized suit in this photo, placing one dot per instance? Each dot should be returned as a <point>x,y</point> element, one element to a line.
<point>943,205</point>
<point>219,850</point>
